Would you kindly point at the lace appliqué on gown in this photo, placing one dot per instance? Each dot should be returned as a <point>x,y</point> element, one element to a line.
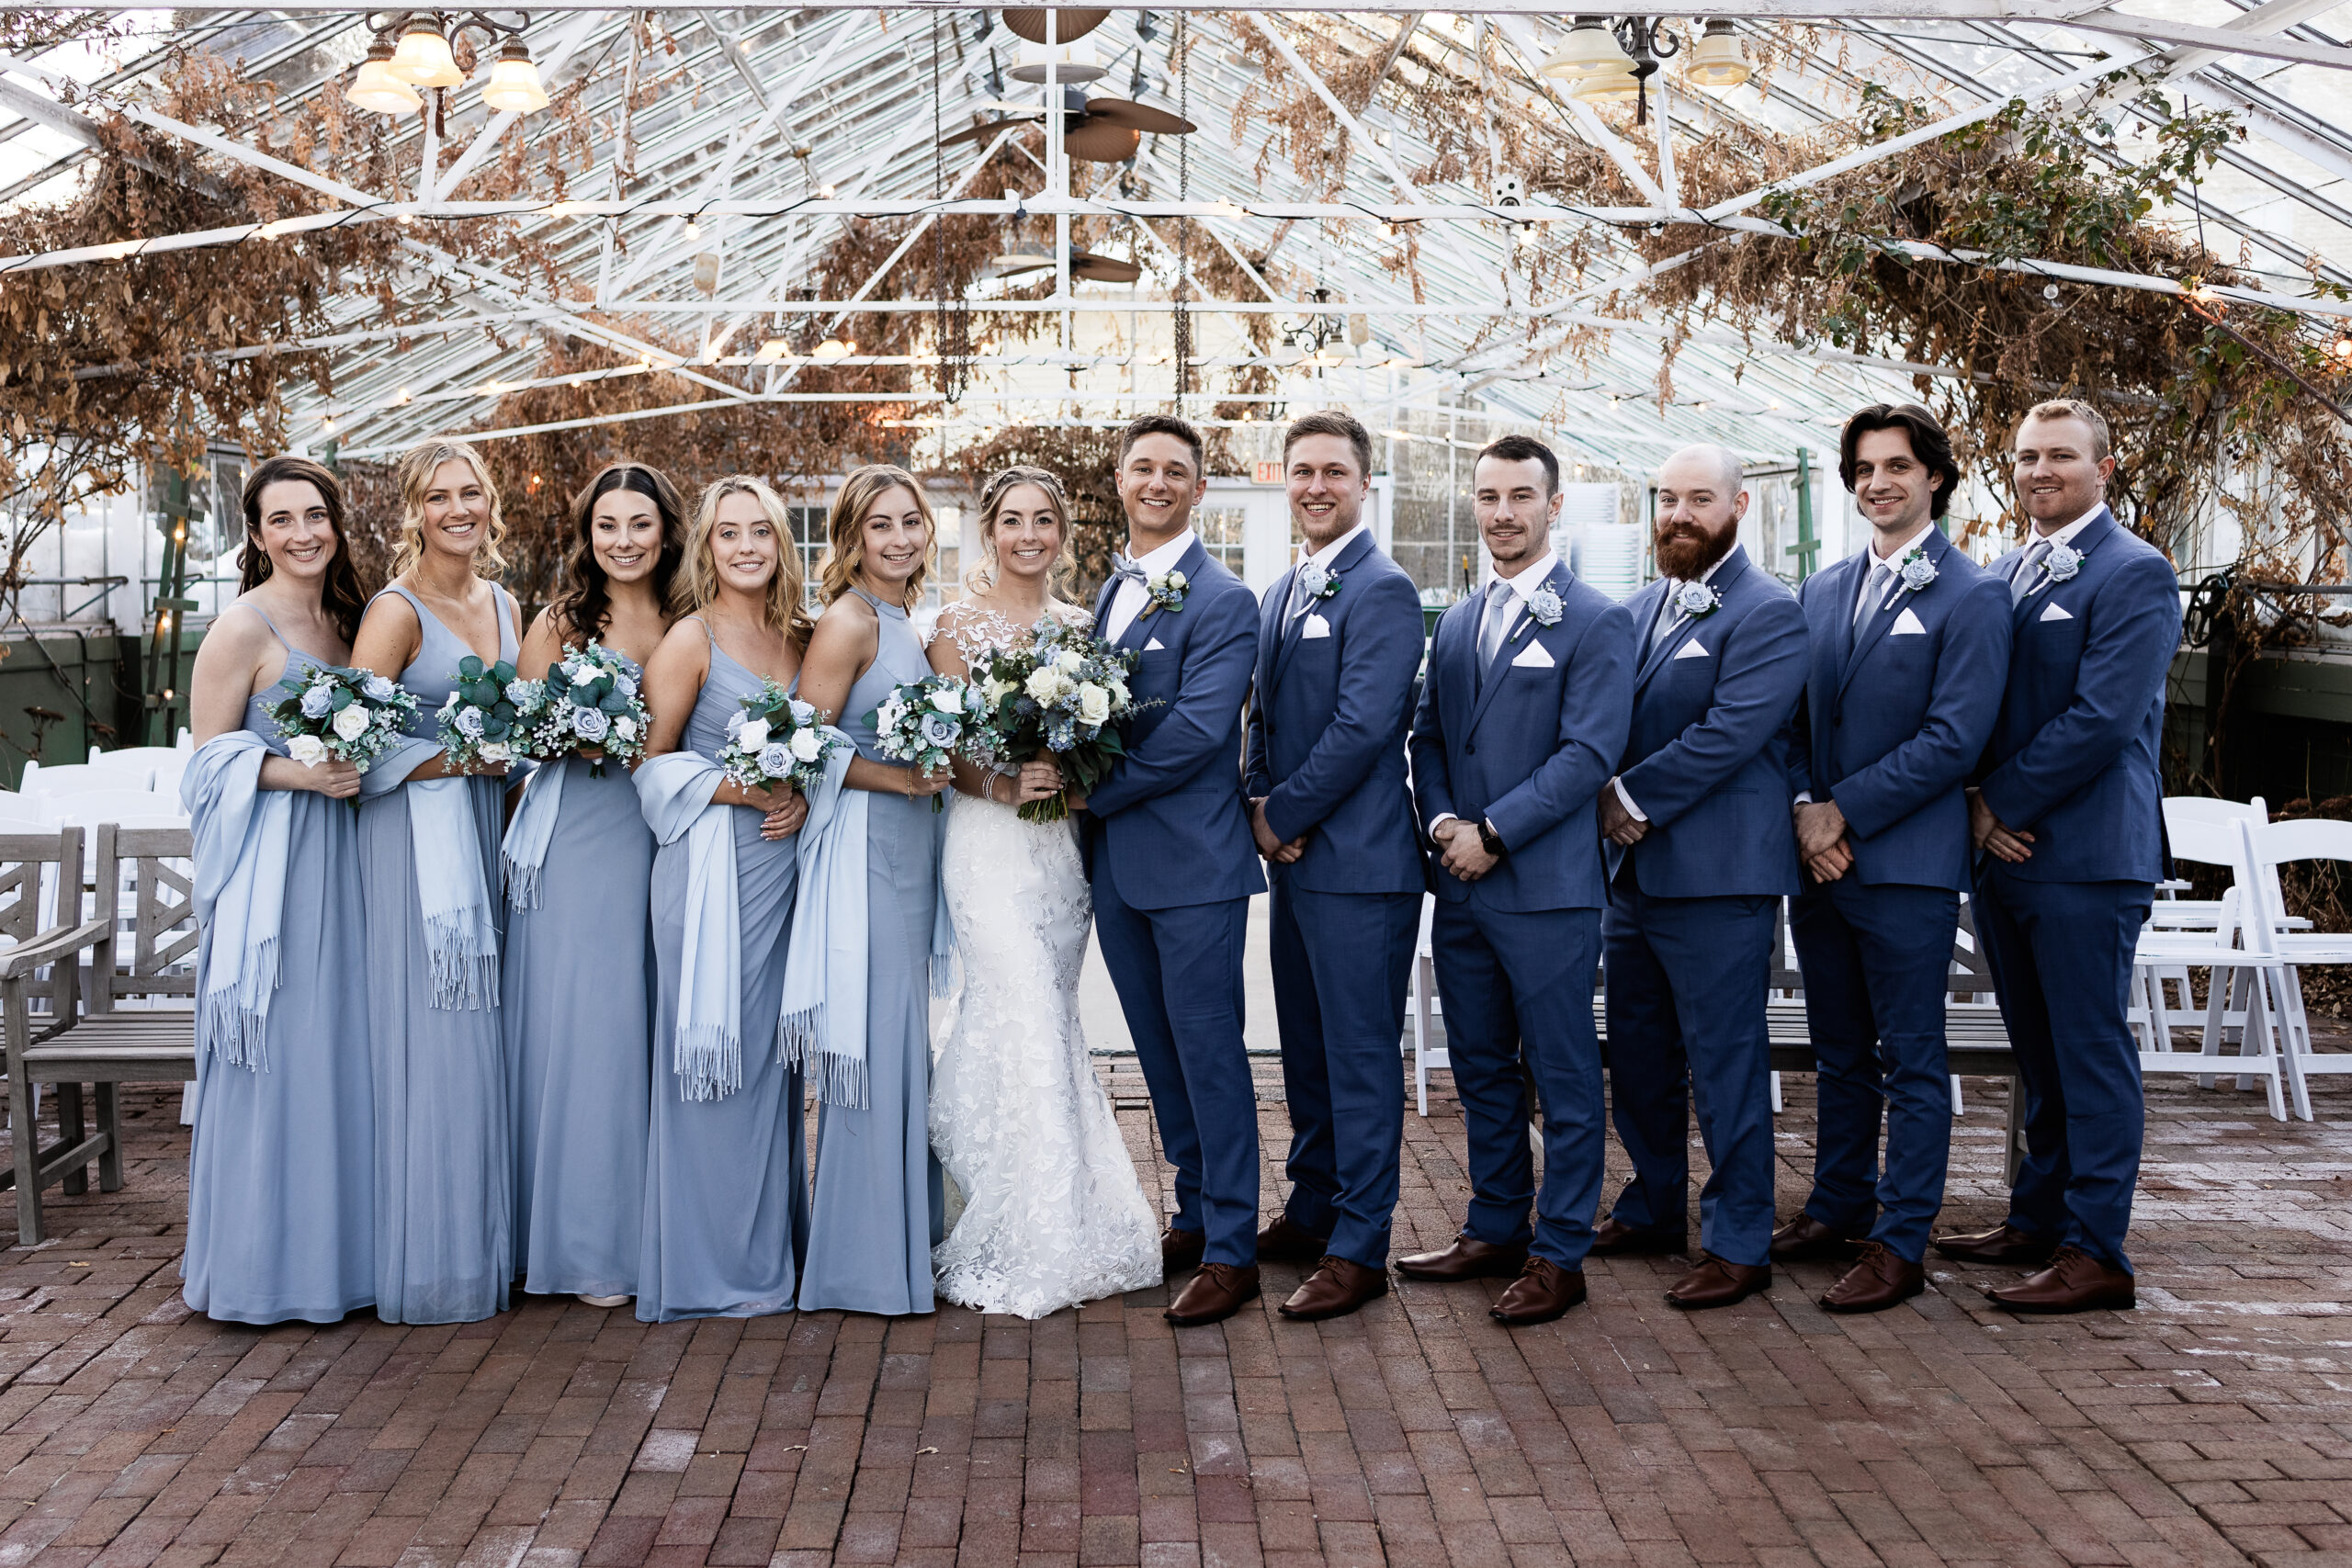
<point>1052,1212</point>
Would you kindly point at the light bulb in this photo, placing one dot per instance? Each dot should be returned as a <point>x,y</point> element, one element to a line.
<point>834,348</point>
<point>515,82</point>
<point>423,59</point>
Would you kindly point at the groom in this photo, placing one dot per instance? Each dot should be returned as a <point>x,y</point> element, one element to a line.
<point>1169,852</point>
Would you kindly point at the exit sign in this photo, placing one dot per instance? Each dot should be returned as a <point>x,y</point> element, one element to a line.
<point>1266,473</point>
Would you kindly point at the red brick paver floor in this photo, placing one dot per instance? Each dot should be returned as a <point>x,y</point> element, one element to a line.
<point>2213,1425</point>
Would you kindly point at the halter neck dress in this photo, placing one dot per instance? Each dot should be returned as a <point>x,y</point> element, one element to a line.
<point>726,1183</point>
<point>281,1208</point>
<point>444,1170</point>
<point>576,974</point>
<point>877,1206</point>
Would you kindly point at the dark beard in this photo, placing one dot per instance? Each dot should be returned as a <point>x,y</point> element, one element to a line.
<point>1685,554</point>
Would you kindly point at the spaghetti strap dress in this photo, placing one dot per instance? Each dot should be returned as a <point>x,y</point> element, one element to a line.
<point>444,1170</point>
<point>726,1188</point>
<point>281,1197</point>
<point>576,973</point>
<point>876,1207</point>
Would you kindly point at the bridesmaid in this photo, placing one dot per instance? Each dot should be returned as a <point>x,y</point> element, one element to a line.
<point>576,1057</point>
<point>444,1173</point>
<point>876,1200</point>
<point>725,1205</point>
<point>281,1219</point>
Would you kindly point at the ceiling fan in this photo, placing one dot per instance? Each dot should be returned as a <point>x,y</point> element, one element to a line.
<point>1083,265</point>
<point>1095,131</point>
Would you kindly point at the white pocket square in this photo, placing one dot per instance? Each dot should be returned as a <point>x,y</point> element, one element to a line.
<point>1690,651</point>
<point>2055,613</point>
<point>1316,626</point>
<point>1907,625</point>
<point>1152,647</point>
<point>1533,657</point>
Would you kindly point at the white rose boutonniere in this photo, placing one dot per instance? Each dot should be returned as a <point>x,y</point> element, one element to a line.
<point>1167,592</point>
<point>1544,609</point>
<point>1318,582</point>
<point>2062,563</point>
<point>1698,600</point>
<point>1916,570</point>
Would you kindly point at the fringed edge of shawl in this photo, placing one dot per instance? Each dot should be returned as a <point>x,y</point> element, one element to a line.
<point>237,1022</point>
<point>462,981</point>
<point>837,1080</point>
<point>522,882</point>
<point>797,1035</point>
<point>943,974</point>
<point>708,1061</point>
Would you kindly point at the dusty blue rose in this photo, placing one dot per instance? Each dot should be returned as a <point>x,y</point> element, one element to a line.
<point>937,730</point>
<point>316,700</point>
<point>589,724</point>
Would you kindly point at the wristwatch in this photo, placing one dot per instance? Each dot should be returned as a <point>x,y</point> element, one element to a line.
<point>1490,840</point>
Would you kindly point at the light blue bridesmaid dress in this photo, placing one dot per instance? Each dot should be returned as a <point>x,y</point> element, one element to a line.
<point>876,1206</point>
<point>445,1177</point>
<point>281,1181</point>
<point>726,1190</point>
<point>577,1009</point>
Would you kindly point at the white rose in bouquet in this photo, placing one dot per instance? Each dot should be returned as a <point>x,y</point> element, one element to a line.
<point>1093,703</point>
<point>807,745</point>
<point>948,699</point>
<point>1042,682</point>
<point>306,750</point>
<point>495,751</point>
<point>754,735</point>
<point>995,691</point>
<point>351,723</point>
<point>1070,661</point>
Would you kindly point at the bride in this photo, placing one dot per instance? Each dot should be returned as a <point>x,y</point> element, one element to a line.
<point>1053,1215</point>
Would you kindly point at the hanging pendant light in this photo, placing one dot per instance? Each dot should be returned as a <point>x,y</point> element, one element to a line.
<point>1590,50</point>
<point>833,348</point>
<point>423,59</point>
<point>1615,86</point>
<point>515,82</point>
<point>1717,61</point>
<point>376,90</point>
<point>1074,63</point>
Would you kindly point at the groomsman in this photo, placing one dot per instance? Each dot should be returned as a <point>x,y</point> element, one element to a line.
<point>1167,838</point>
<point>1701,851</point>
<point>2066,812</point>
<point>1521,718</point>
<point>1910,644</point>
<point>1339,643</point>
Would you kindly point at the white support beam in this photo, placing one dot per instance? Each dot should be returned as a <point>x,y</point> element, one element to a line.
<point>1520,33</point>
<point>1404,182</point>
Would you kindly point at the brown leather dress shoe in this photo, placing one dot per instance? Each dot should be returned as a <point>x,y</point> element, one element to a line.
<point>1467,1258</point>
<point>2074,1281</point>
<point>1613,1238</point>
<point>1284,1242</point>
<point>1216,1292</point>
<point>1543,1292</point>
<point>1337,1288</point>
<point>1180,1249</point>
<point>1716,1283</point>
<point>2003,1243</point>
<point>1879,1280</point>
<point>1805,1239</point>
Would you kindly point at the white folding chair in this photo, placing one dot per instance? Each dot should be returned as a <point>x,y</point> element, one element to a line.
<point>2197,828</point>
<point>126,807</point>
<point>132,767</point>
<point>1422,998</point>
<point>2272,845</point>
<point>76,778</point>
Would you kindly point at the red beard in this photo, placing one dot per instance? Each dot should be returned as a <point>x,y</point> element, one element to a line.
<point>1684,551</point>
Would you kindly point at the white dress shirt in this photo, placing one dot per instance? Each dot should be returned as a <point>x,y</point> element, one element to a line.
<point>1129,598</point>
<point>2063,536</point>
<point>1322,557</point>
<point>1522,584</point>
<point>1889,558</point>
<point>1666,609</point>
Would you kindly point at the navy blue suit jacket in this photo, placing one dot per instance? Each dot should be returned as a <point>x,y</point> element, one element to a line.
<point>1530,749</point>
<point>1891,731</point>
<point>1171,817</point>
<point>1706,758</point>
<point>1328,723</point>
<point>2073,758</point>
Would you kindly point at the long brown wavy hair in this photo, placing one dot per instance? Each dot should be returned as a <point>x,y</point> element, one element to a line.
<point>865,485</point>
<point>417,466</point>
<point>585,606</point>
<point>1002,484</point>
<point>696,583</point>
<point>341,595</point>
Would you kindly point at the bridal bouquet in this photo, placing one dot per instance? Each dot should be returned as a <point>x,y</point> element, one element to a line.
<point>587,706</point>
<point>1063,696</point>
<point>922,723</point>
<point>481,724</point>
<point>777,739</point>
<point>352,715</point>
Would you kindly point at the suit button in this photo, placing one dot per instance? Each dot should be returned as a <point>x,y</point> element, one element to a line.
<point>1470,751</point>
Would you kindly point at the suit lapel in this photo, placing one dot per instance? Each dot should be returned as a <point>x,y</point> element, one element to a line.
<point>1270,631</point>
<point>1103,604</point>
<point>1733,567</point>
<point>2043,586</point>
<point>1510,647</point>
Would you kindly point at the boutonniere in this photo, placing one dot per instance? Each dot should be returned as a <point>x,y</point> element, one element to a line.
<point>1166,591</point>
<point>1916,570</point>
<point>1543,610</point>
<point>2062,563</point>
<point>1698,600</point>
<point>1318,582</point>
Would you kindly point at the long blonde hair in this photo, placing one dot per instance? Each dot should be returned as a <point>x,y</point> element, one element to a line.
<point>417,466</point>
<point>1002,484</point>
<point>844,527</point>
<point>696,583</point>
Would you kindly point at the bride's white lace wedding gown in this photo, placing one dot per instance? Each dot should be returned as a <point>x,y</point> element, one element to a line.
<point>1053,1213</point>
